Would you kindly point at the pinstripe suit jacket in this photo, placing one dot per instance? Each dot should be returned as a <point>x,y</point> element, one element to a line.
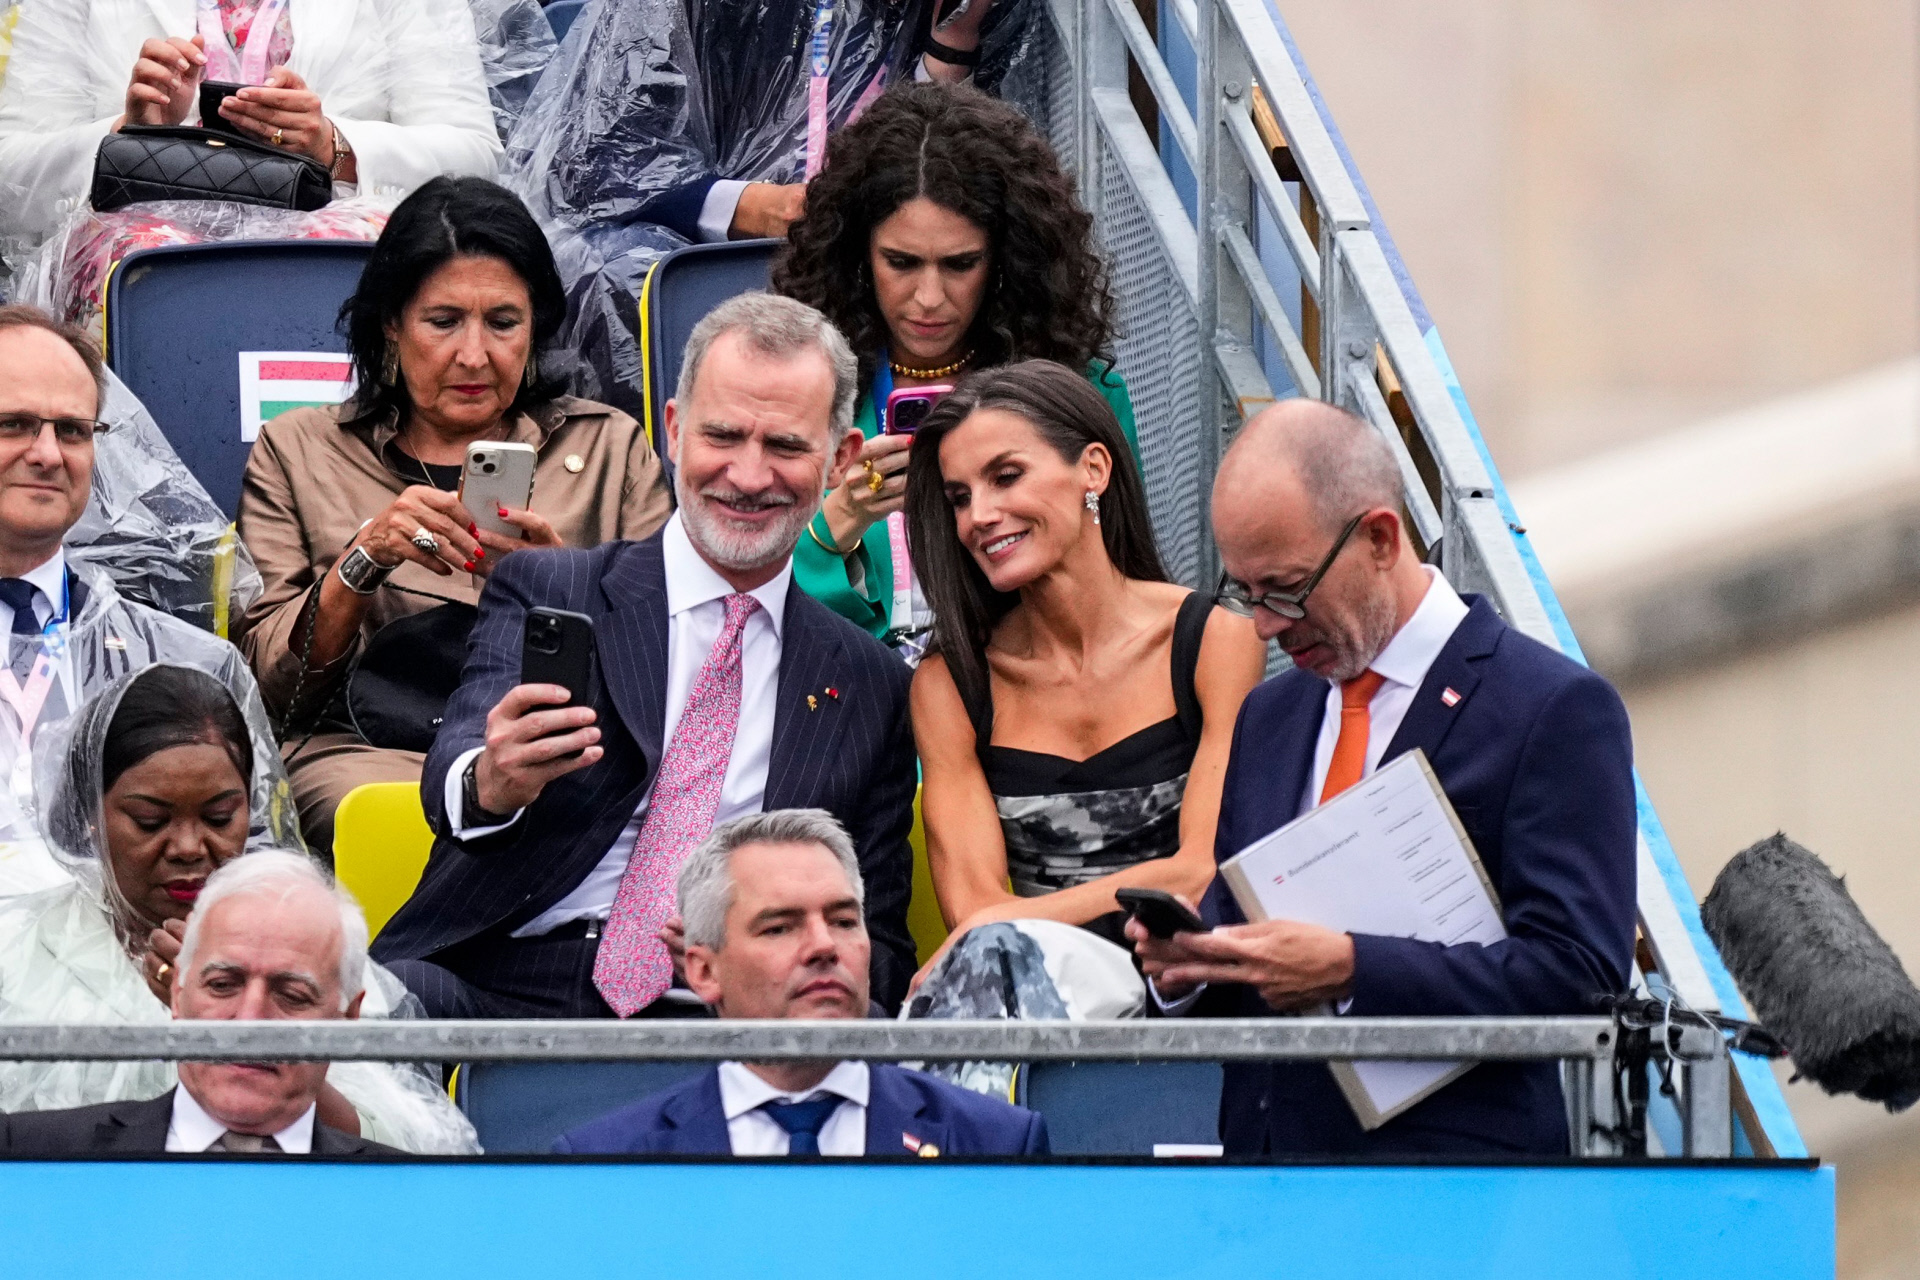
<point>852,756</point>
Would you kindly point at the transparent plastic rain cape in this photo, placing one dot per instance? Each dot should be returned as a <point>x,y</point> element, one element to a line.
<point>649,96</point>
<point>70,953</point>
<point>105,638</point>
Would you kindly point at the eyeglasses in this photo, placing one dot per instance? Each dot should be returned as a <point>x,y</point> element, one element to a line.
<point>19,428</point>
<point>1237,597</point>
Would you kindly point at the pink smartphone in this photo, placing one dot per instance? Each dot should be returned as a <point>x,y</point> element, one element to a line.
<point>908,408</point>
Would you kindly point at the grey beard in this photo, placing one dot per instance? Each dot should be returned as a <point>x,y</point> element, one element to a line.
<point>728,549</point>
<point>1373,631</point>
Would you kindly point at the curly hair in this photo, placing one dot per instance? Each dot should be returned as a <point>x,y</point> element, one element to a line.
<point>1047,296</point>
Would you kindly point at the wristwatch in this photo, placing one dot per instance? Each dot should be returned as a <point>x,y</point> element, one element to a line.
<point>361,572</point>
<point>471,814</point>
<point>342,151</point>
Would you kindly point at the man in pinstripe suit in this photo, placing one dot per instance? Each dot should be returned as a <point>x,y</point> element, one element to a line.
<point>549,890</point>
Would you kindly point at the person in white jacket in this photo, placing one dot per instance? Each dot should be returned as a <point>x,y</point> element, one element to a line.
<point>385,93</point>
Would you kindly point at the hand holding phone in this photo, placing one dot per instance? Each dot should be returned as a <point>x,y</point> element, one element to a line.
<point>1159,912</point>
<point>497,475</point>
<point>212,94</point>
<point>908,408</point>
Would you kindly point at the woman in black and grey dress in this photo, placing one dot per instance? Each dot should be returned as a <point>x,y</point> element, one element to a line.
<point>1075,713</point>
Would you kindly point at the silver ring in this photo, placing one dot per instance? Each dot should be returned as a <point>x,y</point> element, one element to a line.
<point>426,541</point>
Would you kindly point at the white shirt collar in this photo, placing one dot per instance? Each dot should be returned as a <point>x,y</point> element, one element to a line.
<point>50,575</point>
<point>195,1130</point>
<point>742,1091</point>
<point>1411,652</point>
<point>691,581</point>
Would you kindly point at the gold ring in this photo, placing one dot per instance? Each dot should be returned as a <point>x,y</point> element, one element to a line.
<point>277,135</point>
<point>875,482</point>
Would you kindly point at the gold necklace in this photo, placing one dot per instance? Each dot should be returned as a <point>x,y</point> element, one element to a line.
<point>908,371</point>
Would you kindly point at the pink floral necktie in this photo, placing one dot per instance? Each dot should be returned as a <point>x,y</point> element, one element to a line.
<point>632,968</point>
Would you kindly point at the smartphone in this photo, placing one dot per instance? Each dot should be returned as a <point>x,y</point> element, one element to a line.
<point>212,94</point>
<point>907,409</point>
<point>558,648</point>
<point>1163,914</point>
<point>495,476</point>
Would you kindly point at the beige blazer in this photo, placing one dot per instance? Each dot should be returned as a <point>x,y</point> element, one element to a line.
<point>311,482</point>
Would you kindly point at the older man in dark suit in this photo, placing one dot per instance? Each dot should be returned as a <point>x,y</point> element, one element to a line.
<point>270,938</point>
<point>722,690</point>
<point>1532,749</point>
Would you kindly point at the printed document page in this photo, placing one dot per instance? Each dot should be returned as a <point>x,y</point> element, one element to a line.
<point>1388,856</point>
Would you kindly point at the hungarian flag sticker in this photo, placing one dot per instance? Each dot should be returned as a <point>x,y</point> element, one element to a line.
<point>272,382</point>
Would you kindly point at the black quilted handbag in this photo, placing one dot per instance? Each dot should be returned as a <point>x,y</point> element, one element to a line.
<point>181,162</point>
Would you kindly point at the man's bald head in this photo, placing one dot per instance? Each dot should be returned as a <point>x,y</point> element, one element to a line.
<point>1299,475</point>
<point>1311,452</point>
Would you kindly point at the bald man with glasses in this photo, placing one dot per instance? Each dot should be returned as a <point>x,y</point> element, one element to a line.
<point>1532,749</point>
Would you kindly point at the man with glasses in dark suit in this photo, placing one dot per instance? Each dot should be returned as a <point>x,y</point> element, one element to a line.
<point>722,690</point>
<point>1531,748</point>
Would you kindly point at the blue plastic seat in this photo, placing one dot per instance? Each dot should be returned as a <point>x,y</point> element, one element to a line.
<point>519,1108</point>
<point>680,290</point>
<point>1124,1108</point>
<point>561,14</point>
<point>178,317</point>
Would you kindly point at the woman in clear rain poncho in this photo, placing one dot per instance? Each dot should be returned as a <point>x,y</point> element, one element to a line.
<point>155,783</point>
<point>666,121</point>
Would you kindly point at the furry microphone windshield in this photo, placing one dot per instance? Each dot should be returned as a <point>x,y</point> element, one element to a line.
<point>1818,976</point>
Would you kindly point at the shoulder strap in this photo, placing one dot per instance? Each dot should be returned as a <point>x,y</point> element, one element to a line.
<point>1189,628</point>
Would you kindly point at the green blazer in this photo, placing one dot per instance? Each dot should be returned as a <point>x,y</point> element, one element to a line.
<point>830,578</point>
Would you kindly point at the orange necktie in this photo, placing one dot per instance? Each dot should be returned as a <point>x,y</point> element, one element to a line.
<point>1350,749</point>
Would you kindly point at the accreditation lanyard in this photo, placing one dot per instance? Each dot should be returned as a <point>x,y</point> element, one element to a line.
<point>900,618</point>
<point>28,702</point>
<point>251,66</point>
<point>820,54</point>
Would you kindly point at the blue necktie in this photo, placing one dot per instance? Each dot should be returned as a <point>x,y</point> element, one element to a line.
<point>803,1122</point>
<point>17,594</point>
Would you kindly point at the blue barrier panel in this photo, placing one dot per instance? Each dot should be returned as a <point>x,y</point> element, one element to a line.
<point>213,1219</point>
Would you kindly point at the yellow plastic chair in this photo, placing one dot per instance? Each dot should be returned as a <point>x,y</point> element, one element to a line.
<point>924,921</point>
<point>380,844</point>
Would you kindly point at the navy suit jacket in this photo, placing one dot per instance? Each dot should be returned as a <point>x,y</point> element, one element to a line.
<point>1537,760</point>
<point>851,755</point>
<point>688,1120</point>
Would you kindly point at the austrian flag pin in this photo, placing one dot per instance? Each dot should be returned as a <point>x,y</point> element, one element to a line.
<point>1449,697</point>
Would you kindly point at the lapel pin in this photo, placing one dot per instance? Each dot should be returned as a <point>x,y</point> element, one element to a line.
<point>833,693</point>
<point>1449,697</point>
<point>925,1150</point>
<point>813,703</point>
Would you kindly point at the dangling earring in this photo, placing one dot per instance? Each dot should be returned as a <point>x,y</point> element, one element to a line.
<point>532,375</point>
<point>1093,507</point>
<point>390,366</point>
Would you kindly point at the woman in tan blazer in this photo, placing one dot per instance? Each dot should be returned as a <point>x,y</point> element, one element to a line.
<point>353,513</point>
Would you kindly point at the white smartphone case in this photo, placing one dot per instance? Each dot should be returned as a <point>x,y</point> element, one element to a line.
<point>496,475</point>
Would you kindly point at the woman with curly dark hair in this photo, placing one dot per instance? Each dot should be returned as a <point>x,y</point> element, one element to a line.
<point>941,237</point>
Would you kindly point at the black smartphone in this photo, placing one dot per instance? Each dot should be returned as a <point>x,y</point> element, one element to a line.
<point>558,648</point>
<point>1163,914</point>
<point>212,94</point>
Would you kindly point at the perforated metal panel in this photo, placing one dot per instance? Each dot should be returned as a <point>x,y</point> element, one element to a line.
<point>1159,353</point>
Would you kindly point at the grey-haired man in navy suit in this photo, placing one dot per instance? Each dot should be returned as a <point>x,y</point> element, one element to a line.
<point>1532,749</point>
<point>774,930</point>
<point>721,690</point>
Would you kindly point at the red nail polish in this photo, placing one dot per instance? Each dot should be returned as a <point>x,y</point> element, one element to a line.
<point>474,529</point>
<point>468,566</point>
<point>481,554</point>
<point>503,513</point>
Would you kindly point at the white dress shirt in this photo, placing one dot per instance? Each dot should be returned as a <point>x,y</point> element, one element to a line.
<point>752,1132</point>
<point>51,578</point>
<point>695,614</point>
<point>1405,662</point>
<point>192,1129</point>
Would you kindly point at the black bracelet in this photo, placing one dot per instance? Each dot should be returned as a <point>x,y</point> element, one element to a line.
<point>948,54</point>
<point>471,814</point>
